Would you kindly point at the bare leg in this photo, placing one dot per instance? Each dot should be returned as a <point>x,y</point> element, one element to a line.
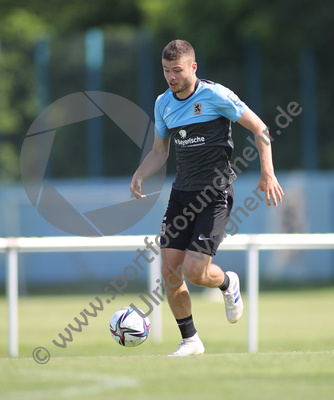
<point>176,288</point>
<point>201,272</point>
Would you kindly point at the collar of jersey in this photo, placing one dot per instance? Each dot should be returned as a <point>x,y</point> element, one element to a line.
<point>196,86</point>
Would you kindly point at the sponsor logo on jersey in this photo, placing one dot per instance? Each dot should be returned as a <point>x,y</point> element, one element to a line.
<point>232,96</point>
<point>183,133</point>
<point>196,141</point>
<point>198,109</point>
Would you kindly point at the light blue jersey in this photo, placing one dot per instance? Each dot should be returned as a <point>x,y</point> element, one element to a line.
<point>209,101</point>
<point>200,126</point>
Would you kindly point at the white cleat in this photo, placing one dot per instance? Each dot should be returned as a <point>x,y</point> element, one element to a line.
<point>192,346</point>
<point>232,297</point>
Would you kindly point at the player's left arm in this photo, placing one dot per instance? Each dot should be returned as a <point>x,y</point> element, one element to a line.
<point>268,182</point>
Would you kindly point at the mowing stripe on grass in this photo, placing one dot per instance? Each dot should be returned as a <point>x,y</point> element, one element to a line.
<point>85,383</point>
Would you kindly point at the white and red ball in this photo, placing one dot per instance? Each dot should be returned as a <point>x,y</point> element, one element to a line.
<point>128,328</point>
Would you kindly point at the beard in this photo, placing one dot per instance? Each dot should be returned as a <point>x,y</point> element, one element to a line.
<point>181,86</point>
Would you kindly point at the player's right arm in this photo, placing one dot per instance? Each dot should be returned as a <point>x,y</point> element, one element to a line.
<point>151,164</point>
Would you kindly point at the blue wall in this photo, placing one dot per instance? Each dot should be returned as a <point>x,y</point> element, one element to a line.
<point>307,208</point>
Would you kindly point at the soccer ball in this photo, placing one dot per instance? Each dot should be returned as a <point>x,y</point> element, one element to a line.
<point>128,328</point>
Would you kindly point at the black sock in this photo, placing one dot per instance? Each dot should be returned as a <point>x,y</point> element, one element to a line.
<point>225,284</point>
<point>186,326</point>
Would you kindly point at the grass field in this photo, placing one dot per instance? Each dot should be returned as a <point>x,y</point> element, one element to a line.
<point>295,359</point>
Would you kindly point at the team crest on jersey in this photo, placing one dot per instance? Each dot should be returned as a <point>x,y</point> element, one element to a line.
<point>183,133</point>
<point>198,108</point>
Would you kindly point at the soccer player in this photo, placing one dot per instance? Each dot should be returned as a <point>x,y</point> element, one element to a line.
<point>196,114</point>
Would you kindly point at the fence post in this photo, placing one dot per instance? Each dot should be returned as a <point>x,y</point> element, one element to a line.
<point>94,57</point>
<point>0,82</point>
<point>12,299</point>
<point>253,296</point>
<point>309,114</point>
<point>252,73</point>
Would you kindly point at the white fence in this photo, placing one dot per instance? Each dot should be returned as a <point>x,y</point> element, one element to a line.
<point>250,243</point>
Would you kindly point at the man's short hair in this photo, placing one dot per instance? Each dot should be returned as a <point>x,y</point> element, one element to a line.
<point>177,49</point>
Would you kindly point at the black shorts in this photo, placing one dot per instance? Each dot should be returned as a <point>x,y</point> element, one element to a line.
<point>196,220</point>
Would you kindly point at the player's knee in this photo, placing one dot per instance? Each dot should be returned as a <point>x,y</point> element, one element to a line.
<point>197,280</point>
<point>173,277</point>
<point>168,271</point>
<point>195,275</point>
<point>165,270</point>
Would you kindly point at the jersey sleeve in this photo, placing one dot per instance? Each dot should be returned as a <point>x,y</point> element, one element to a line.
<point>160,129</point>
<point>228,103</point>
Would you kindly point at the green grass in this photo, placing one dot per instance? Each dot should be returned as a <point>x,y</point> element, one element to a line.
<point>296,358</point>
